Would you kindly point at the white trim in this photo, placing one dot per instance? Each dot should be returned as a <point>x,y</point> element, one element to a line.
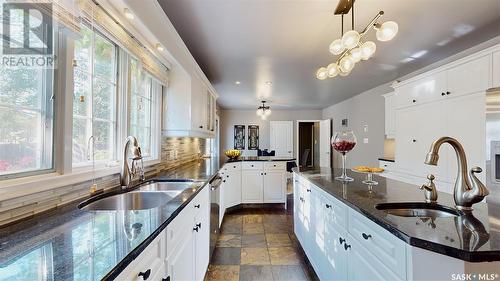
<point>297,137</point>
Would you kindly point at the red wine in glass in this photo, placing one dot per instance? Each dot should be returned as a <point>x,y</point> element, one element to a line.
<point>343,142</point>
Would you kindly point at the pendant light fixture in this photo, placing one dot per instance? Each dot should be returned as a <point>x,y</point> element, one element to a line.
<point>350,47</point>
<point>264,110</point>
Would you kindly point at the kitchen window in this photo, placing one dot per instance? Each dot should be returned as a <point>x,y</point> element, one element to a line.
<point>95,97</point>
<point>26,112</point>
<point>145,93</point>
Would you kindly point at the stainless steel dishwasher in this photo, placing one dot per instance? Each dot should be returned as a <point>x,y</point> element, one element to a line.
<point>214,211</point>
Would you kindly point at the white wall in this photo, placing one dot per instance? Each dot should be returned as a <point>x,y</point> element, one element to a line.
<point>365,109</point>
<point>230,117</point>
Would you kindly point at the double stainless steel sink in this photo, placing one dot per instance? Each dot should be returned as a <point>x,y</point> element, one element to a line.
<point>147,196</point>
<point>418,209</point>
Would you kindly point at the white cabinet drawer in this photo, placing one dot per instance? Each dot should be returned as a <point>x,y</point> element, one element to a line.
<point>236,166</point>
<point>389,249</point>
<point>200,202</point>
<point>386,165</point>
<point>335,212</point>
<point>275,165</point>
<point>252,165</point>
<point>149,262</point>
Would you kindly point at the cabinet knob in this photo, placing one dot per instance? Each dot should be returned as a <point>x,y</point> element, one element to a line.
<point>196,228</point>
<point>328,206</point>
<point>414,101</point>
<point>265,174</point>
<point>448,93</point>
<point>197,206</point>
<point>443,94</point>
<point>308,190</point>
<point>366,236</point>
<point>166,279</point>
<point>227,176</point>
<point>346,246</point>
<point>414,140</point>
<point>341,240</point>
<point>201,127</point>
<point>224,181</point>
<point>145,274</point>
<point>198,225</point>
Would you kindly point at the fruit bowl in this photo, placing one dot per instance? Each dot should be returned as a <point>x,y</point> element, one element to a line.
<point>232,153</point>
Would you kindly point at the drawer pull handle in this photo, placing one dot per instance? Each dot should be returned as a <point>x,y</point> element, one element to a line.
<point>414,101</point>
<point>341,240</point>
<point>145,275</point>
<point>448,93</point>
<point>197,206</point>
<point>227,176</point>
<point>195,229</point>
<point>328,206</point>
<point>366,236</point>
<point>308,190</point>
<point>224,181</point>
<point>166,279</point>
<point>346,247</point>
<point>198,225</point>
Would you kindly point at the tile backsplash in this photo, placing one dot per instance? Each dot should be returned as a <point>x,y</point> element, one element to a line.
<point>174,152</point>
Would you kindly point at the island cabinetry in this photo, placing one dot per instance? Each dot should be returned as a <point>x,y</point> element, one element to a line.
<point>340,243</point>
<point>263,182</point>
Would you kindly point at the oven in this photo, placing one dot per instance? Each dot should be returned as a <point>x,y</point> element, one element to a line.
<point>215,208</point>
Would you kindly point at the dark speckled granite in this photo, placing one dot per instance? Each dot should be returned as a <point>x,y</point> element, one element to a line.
<point>71,244</point>
<point>473,237</point>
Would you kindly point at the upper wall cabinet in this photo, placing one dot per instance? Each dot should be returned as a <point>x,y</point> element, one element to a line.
<point>469,77</point>
<point>390,115</point>
<point>190,108</point>
<point>496,69</point>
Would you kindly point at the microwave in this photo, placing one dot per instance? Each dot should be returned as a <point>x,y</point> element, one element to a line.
<point>495,161</point>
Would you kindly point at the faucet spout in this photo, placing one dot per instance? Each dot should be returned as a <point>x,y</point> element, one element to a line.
<point>465,193</point>
<point>127,173</point>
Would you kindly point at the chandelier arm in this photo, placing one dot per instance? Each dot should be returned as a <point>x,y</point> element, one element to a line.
<point>352,16</point>
<point>342,30</point>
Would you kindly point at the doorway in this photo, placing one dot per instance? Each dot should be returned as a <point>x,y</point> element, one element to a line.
<point>308,144</point>
<point>313,143</point>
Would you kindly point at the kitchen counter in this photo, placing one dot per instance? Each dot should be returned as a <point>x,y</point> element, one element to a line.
<point>261,158</point>
<point>72,244</point>
<point>473,237</point>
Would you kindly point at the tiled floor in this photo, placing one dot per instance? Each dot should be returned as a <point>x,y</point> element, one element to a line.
<point>259,244</point>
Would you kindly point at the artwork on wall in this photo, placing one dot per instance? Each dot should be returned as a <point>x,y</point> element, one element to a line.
<point>239,137</point>
<point>253,137</point>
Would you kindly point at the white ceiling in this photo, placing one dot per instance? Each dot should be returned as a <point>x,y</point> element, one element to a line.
<point>285,41</point>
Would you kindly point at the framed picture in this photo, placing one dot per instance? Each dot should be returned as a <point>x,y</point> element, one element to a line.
<point>239,137</point>
<point>253,137</point>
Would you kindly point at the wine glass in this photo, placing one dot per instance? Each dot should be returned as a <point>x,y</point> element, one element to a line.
<point>343,142</point>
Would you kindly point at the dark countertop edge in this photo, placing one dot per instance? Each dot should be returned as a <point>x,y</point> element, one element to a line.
<point>473,257</point>
<point>260,160</point>
<point>387,159</point>
<point>115,271</point>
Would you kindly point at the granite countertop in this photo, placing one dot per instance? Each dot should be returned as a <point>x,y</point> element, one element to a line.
<point>261,158</point>
<point>72,244</point>
<point>473,237</point>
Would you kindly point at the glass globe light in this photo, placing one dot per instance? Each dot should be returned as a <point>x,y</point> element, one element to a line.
<point>367,50</point>
<point>350,39</point>
<point>336,47</point>
<point>259,112</point>
<point>356,54</point>
<point>387,31</point>
<point>267,112</point>
<point>322,73</point>
<point>333,70</point>
<point>263,117</point>
<point>346,64</point>
<point>343,74</point>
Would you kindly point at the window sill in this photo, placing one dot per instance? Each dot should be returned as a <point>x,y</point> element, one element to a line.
<point>28,185</point>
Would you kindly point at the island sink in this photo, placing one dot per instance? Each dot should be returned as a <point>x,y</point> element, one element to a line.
<point>418,209</point>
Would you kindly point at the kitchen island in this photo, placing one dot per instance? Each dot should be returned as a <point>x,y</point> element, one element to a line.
<point>346,237</point>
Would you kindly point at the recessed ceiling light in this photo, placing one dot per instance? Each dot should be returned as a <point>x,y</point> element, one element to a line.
<point>269,83</point>
<point>159,47</point>
<point>128,14</point>
<point>237,82</point>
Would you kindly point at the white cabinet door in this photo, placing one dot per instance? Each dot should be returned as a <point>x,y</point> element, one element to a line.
<point>467,112</point>
<point>202,241</point>
<point>325,134</point>
<point>317,232</point>
<point>390,115</point>
<point>470,77</point>
<point>274,186</point>
<point>362,266</point>
<point>334,266</point>
<point>406,139</point>
<point>298,210</point>
<point>281,138</point>
<point>426,89</point>
<point>232,191</point>
<point>496,69</point>
<point>252,186</point>
<point>181,264</point>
